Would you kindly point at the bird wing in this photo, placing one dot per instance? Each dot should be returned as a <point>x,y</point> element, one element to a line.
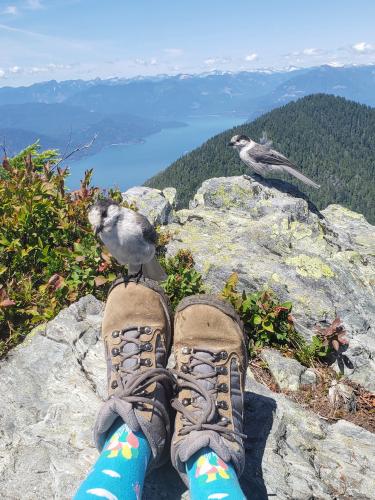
<point>262,154</point>
<point>147,228</point>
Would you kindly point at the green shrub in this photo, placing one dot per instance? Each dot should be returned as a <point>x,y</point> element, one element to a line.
<point>183,280</point>
<point>49,256</point>
<point>270,323</point>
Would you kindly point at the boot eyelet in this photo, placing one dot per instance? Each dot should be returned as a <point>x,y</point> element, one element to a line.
<point>185,368</point>
<point>186,350</point>
<point>223,387</point>
<point>186,401</point>
<point>222,370</point>
<point>116,367</point>
<point>115,351</point>
<point>146,329</point>
<point>146,362</point>
<point>115,334</point>
<point>224,355</point>
<point>146,347</point>
<point>222,404</point>
<point>224,420</point>
<point>114,384</point>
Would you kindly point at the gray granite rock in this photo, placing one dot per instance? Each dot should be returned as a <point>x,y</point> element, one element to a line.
<point>51,387</point>
<point>293,454</point>
<point>323,262</point>
<point>308,377</point>
<point>156,205</point>
<point>288,373</point>
<point>170,194</point>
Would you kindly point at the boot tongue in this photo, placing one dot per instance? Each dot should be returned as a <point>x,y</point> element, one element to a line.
<point>130,348</point>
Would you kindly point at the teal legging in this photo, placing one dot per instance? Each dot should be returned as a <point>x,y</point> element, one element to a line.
<point>120,471</point>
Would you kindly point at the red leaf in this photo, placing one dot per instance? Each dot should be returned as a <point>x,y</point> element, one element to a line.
<point>335,345</point>
<point>55,282</point>
<point>103,266</point>
<point>100,280</point>
<point>7,303</point>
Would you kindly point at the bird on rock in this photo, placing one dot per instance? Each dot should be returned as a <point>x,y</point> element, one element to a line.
<point>265,160</point>
<point>129,236</point>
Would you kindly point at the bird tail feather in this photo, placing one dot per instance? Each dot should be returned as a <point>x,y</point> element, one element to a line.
<point>301,177</point>
<point>154,271</point>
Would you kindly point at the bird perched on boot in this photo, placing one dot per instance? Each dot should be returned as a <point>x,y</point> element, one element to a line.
<point>129,237</point>
<point>263,159</point>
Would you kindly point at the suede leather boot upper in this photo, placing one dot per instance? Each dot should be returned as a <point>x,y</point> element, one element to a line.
<point>211,360</point>
<point>136,331</point>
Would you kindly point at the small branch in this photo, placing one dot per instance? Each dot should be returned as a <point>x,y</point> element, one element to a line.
<point>79,148</point>
<point>4,148</point>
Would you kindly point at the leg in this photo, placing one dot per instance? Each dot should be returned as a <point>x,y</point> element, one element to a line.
<point>211,359</point>
<point>120,470</point>
<point>132,430</point>
<point>210,477</point>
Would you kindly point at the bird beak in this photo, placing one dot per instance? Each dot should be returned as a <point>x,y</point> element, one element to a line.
<point>99,229</point>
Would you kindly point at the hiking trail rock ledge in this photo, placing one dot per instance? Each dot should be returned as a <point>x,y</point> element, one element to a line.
<point>51,386</point>
<point>324,263</point>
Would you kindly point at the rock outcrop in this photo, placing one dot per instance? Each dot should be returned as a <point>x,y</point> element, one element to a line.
<point>324,263</point>
<point>51,386</point>
<point>288,373</point>
<point>156,205</point>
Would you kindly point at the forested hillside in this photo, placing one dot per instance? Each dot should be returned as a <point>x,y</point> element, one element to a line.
<point>332,140</point>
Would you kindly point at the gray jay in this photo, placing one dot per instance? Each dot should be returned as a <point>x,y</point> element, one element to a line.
<point>263,159</point>
<point>129,237</point>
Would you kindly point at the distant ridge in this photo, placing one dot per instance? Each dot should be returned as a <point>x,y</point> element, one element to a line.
<point>331,139</point>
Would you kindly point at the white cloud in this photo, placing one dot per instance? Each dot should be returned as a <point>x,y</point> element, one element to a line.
<point>33,70</point>
<point>15,69</point>
<point>174,52</point>
<point>212,61</point>
<point>11,10</point>
<point>2,73</point>
<point>145,62</point>
<point>34,4</point>
<point>311,52</point>
<point>251,57</point>
<point>38,69</point>
<point>363,48</point>
<point>335,64</point>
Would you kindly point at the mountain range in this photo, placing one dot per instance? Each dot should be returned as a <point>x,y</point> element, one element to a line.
<point>331,140</point>
<point>128,110</point>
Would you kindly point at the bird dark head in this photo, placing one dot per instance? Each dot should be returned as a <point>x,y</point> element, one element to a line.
<point>239,141</point>
<point>102,213</point>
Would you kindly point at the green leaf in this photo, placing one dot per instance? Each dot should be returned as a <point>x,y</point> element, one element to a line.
<point>257,320</point>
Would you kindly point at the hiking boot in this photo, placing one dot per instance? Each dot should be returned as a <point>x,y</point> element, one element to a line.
<point>136,331</point>
<point>210,366</point>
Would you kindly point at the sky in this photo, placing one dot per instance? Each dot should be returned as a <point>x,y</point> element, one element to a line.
<point>69,39</point>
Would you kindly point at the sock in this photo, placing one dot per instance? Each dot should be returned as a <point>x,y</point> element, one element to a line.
<point>212,479</point>
<point>121,468</point>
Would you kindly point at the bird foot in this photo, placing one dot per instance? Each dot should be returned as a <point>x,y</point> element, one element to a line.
<point>136,276</point>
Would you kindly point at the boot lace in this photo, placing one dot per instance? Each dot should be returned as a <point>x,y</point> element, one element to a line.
<point>133,383</point>
<point>204,383</point>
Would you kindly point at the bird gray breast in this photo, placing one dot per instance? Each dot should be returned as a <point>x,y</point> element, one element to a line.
<point>248,159</point>
<point>126,242</point>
